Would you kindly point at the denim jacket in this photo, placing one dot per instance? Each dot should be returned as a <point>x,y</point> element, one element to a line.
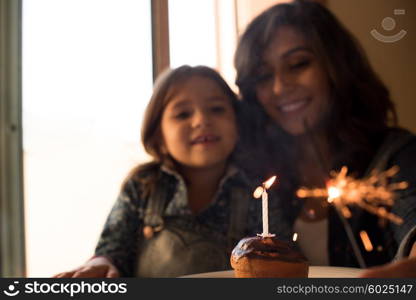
<point>123,229</point>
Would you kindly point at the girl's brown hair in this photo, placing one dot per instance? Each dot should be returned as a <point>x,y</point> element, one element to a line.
<point>361,107</point>
<point>151,135</point>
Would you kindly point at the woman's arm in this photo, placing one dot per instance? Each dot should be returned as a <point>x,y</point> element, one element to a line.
<point>405,267</point>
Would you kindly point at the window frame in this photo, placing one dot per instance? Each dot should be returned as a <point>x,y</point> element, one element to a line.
<point>12,231</point>
<point>160,36</point>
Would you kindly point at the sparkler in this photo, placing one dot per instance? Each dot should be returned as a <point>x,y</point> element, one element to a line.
<point>372,194</point>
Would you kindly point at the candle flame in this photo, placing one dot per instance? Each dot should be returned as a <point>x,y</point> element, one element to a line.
<point>267,184</point>
<point>295,237</point>
<point>366,241</point>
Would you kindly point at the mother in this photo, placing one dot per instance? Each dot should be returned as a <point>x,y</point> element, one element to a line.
<point>316,105</point>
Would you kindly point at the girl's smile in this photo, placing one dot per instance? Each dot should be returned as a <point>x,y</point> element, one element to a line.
<point>205,139</point>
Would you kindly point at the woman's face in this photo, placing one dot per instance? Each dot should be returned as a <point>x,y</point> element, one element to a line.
<point>292,86</point>
<point>199,124</point>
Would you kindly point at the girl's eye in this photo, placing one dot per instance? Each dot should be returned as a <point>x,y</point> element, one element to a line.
<point>300,65</point>
<point>182,115</point>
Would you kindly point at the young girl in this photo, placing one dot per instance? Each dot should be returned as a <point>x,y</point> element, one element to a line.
<point>315,105</point>
<point>183,212</point>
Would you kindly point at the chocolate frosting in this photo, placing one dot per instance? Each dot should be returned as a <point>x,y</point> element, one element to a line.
<point>267,248</point>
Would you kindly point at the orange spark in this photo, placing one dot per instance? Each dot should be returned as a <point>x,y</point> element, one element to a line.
<point>366,241</point>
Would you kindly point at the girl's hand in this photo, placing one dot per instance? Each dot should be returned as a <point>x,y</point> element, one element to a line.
<point>97,267</point>
<point>402,268</point>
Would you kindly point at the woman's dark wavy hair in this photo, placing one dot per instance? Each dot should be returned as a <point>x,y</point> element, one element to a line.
<point>165,87</point>
<point>361,108</point>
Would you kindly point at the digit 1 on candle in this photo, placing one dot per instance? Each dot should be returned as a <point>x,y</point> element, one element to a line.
<point>262,191</point>
<point>265,207</point>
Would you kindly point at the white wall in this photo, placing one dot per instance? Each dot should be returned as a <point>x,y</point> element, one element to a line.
<point>394,62</point>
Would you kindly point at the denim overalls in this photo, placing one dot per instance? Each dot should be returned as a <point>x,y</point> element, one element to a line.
<point>181,245</point>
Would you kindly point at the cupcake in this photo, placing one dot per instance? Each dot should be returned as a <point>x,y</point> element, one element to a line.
<point>267,257</point>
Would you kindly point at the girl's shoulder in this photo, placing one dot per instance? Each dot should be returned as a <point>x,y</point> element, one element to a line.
<point>144,171</point>
<point>141,180</point>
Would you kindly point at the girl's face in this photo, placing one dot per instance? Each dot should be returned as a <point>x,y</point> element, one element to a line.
<point>293,86</point>
<point>199,124</point>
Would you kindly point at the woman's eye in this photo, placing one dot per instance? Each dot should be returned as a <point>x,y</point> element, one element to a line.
<point>300,65</point>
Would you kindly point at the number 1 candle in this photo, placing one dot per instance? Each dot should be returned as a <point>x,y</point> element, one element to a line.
<point>261,191</point>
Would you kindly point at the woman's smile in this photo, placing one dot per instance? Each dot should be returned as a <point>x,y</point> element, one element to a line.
<point>293,106</point>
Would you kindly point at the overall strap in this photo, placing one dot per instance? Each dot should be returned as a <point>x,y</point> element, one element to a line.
<point>156,204</point>
<point>238,215</point>
<point>394,141</point>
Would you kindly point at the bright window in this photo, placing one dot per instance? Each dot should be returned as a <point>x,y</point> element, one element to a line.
<point>87,76</point>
